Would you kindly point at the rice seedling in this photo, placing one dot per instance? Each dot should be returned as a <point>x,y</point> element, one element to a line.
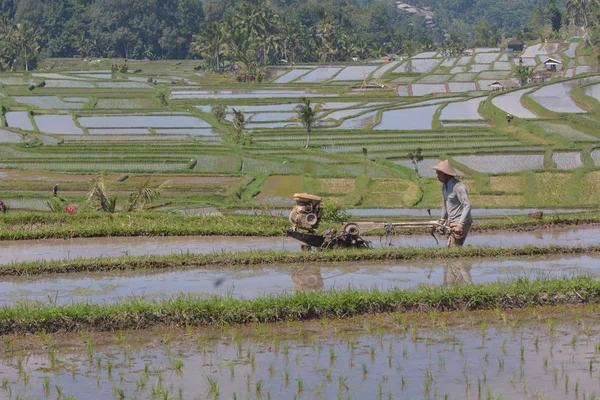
<point>213,384</point>
<point>300,382</point>
<point>403,382</point>
<point>286,375</point>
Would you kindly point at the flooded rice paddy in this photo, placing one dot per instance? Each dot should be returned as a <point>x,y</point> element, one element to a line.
<point>62,249</point>
<point>546,354</point>
<point>557,97</point>
<point>251,282</point>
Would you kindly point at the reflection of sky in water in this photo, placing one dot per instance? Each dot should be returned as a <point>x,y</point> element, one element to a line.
<point>254,282</point>
<point>449,355</point>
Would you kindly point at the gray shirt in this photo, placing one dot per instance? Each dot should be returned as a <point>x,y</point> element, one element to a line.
<point>456,207</point>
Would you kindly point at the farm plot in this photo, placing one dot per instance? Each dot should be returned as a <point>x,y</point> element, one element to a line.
<point>193,132</point>
<point>511,104</point>
<point>363,121</point>
<point>19,119</point>
<point>217,163</point>
<point>258,166</point>
<point>47,102</point>
<point>434,79</point>
<point>275,116</point>
<point>278,189</point>
<point>417,66</point>
<point>458,70</point>
<point>291,75</point>
<point>464,110</point>
<point>480,67</point>
<point>123,85</point>
<point>341,114</point>
<point>448,62</point>
<point>402,90</point>
<point>93,166</point>
<point>464,60</point>
<point>319,75</point>
<point>584,69</point>
<point>567,160</point>
<point>557,97</point>
<point>9,137</point>
<point>119,104</point>
<point>272,125</point>
<point>540,49</point>
<point>502,66</point>
<point>392,150</point>
<point>498,164</point>
<point>425,89</point>
<point>466,77</point>
<point>244,94</point>
<point>120,138</point>
<point>12,81</point>
<point>458,87</point>
<point>355,73</point>
<point>121,131</point>
<point>142,121</point>
<point>58,124</point>
<point>570,52</point>
<point>485,58</point>
<point>592,91</point>
<point>567,131</point>
<point>27,204</point>
<point>54,83</point>
<point>418,118</point>
<point>494,75</point>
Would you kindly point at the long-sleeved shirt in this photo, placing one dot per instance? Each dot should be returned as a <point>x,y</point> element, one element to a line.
<point>456,207</point>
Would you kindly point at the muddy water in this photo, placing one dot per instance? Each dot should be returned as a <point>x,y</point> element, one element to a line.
<point>474,360</point>
<point>256,281</point>
<point>59,249</point>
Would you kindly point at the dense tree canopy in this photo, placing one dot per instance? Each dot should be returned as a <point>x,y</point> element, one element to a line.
<point>252,33</point>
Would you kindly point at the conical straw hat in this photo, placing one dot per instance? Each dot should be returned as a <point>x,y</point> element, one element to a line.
<point>446,168</point>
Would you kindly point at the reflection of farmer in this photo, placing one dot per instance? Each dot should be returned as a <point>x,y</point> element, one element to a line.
<point>3,207</point>
<point>307,278</point>
<point>456,208</point>
<point>457,273</point>
<point>55,189</point>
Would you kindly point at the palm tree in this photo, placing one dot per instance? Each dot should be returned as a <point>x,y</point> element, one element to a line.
<point>25,37</point>
<point>307,115</point>
<point>208,44</point>
<point>99,197</point>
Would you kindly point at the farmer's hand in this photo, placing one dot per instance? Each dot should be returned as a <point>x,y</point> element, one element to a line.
<point>458,229</point>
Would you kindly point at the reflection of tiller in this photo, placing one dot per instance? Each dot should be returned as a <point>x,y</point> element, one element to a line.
<point>307,213</point>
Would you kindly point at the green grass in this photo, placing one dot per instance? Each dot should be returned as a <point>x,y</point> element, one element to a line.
<point>188,311</point>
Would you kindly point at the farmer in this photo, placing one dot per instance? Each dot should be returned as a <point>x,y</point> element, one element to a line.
<point>456,208</point>
<point>3,207</point>
<point>55,189</point>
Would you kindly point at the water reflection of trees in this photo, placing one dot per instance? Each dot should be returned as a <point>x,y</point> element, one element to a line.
<point>457,273</point>
<point>307,278</point>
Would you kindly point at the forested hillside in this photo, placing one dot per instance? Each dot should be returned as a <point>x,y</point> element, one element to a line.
<point>255,32</point>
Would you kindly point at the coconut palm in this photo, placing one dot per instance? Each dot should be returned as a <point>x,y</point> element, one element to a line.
<point>239,123</point>
<point>307,116</point>
<point>26,38</point>
<point>209,44</point>
<point>577,10</point>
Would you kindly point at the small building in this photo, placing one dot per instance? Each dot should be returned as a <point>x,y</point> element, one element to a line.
<point>551,64</point>
<point>385,59</point>
<point>514,45</point>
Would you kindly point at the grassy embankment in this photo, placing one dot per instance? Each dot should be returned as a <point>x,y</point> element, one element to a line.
<point>193,311</point>
<point>61,225</point>
<point>243,260</point>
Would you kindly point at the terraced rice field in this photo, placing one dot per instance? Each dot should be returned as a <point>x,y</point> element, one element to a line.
<point>497,164</point>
